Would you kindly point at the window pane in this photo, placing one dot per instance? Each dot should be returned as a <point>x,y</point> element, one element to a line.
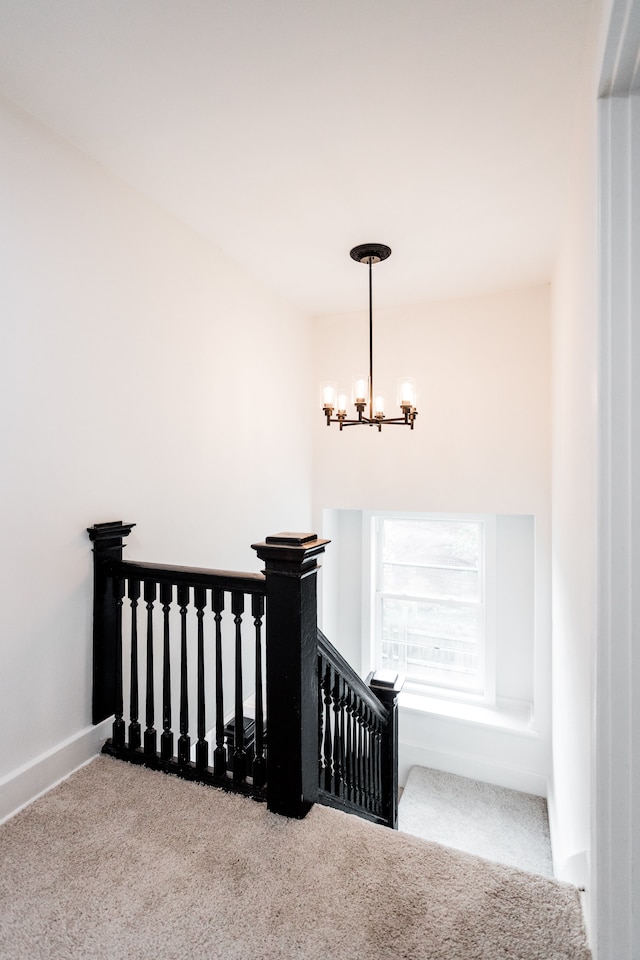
<point>409,581</point>
<point>441,543</point>
<point>401,618</point>
<point>430,615</point>
<point>450,668</point>
<point>435,643</point>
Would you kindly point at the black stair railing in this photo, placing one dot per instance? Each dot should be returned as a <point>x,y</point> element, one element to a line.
<point>234,681</point>
<point>194,708</point>
<point>357,738</point>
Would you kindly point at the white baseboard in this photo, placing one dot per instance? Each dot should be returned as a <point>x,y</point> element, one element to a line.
<point>24,785</point>
<point>466,765</point>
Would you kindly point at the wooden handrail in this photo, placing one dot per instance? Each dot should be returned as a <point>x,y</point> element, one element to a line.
<point>356,683</point>
<point>254,583</point>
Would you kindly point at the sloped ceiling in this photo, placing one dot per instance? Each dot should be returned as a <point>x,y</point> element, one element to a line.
<point>287,131</point>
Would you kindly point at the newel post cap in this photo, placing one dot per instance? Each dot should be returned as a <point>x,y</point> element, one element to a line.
<point>386,684</point>
<point>109,534</point>
<point>292,553</point>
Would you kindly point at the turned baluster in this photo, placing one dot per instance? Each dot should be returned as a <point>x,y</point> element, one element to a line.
<point>150,738</point>
<point>259,762</point>
<point>378,767</point>
<point>239,762</point>
<point>374,764</point>
<point>202,746</point>
<point>118,722</point>
<point>368,777</point>
<point>166,740</point>
<point>337,738</point>
<point>349,759</point>
<point>361,759</point>
<point>358,747</point>
<point>355,748</point>
<point>219,754</point>
<point>134,724</point>
<point>328,737</point>
<point>320,717</point>
<point>184,740</point>
<point>343,738</point>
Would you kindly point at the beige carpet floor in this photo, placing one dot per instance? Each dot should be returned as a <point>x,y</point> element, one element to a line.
<point>120,862</point>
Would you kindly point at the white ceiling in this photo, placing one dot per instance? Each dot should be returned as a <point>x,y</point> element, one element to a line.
<point>288,131</point>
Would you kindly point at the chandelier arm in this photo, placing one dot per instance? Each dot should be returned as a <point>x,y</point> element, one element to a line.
<point>378,422</point>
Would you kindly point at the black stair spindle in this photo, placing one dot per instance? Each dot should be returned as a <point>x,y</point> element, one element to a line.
<point>337,745</point>
<point>328,738</point>
<point>364,770</point>
<point>259,771</point>
<point>150,737</point>
<point>134,723</point>
<point>219,754</point>
<point>349,759</point>
<point>239,762</point>
<point>320,719</point>
<point>202,746</point>
<point>355,755</point>
<point>166,740</point>
<point>367,758</point>
<point>355,748</point>
<point>184,740</point>
<point>378,761</point>
<point>118,722</point>
<point>361,755</point>
<point>374,766</point>
<point>341,715</point>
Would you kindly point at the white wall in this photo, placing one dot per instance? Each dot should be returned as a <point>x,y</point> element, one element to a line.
<point>481,445</point>
<point>145,377</point>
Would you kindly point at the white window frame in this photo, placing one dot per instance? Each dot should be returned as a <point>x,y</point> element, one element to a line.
<point>370,641</point>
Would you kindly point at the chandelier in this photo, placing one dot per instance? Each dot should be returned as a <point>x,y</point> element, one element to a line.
<point>363,395</point>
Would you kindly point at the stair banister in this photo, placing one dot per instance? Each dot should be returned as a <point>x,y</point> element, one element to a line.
<point>328,736</point>
<point>292,707</point>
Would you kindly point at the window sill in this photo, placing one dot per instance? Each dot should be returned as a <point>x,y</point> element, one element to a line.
<point>514,716</point>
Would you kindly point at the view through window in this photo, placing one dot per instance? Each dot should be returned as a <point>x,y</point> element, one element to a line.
<point>430,579</point>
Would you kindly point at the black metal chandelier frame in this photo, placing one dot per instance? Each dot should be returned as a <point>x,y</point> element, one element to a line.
<point>370,253</point>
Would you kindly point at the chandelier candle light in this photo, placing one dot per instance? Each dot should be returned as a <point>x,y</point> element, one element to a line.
<point>363,395</point>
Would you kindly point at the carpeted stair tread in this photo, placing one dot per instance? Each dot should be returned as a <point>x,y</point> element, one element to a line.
<point>496,823</point>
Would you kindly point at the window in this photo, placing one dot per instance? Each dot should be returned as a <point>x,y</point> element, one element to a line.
<point>432,602</point>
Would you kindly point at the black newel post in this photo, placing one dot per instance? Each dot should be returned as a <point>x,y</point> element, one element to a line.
<point>107,546</point>
<point>388,695</point>
<point>292,684</point>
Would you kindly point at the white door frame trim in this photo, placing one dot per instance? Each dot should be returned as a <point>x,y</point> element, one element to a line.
<point>615,894</point>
